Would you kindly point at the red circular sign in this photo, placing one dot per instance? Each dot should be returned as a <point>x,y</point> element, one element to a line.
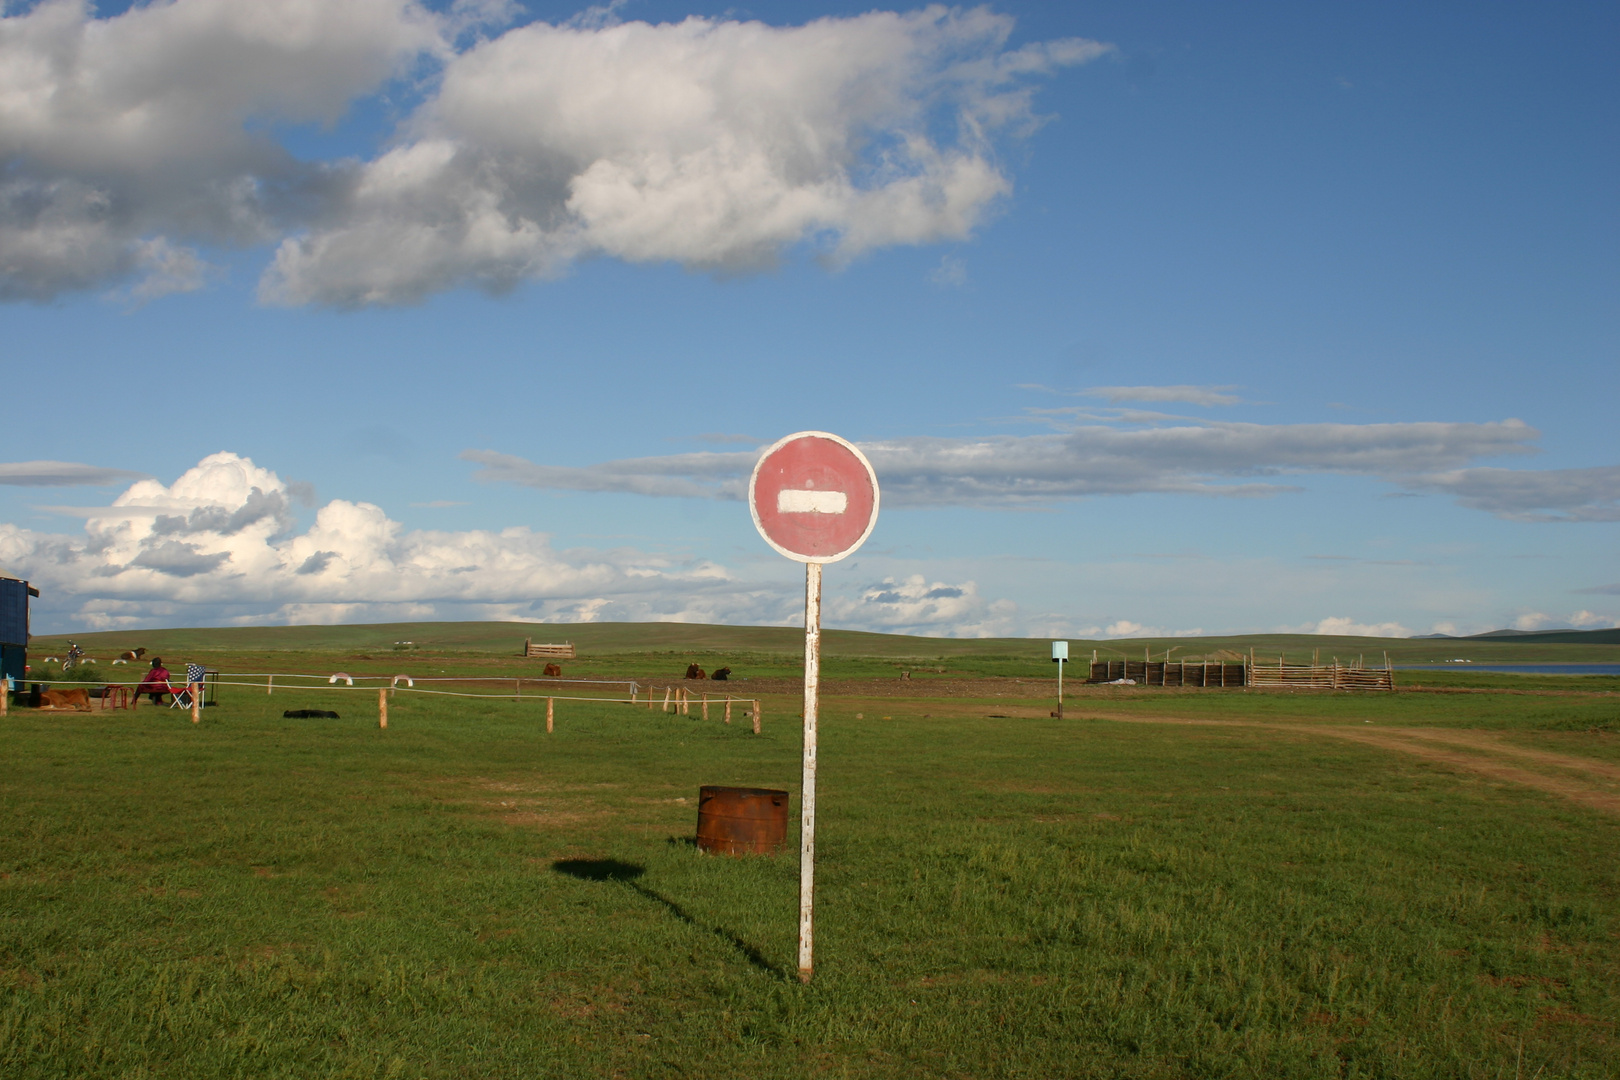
<point>814,497</point>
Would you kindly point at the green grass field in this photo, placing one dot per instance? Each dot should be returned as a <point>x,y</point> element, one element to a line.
<point>1000,893</point>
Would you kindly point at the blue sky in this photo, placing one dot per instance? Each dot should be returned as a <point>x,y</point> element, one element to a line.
<point>1155,318</point>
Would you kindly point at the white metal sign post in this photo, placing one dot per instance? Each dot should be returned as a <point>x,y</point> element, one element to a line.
<point>1060,656</point>
<point>814,498</point>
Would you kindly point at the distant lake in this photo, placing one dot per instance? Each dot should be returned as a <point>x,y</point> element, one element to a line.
<point>1519,669</point>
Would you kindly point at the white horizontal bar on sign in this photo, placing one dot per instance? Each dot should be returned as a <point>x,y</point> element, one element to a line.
<point>794,501</point>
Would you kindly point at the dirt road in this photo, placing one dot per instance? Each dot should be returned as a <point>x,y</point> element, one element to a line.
<point>1486,755</point>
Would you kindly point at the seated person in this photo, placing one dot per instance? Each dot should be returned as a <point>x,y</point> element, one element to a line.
<point>156,682</point>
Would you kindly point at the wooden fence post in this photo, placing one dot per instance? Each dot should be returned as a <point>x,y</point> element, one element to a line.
<point>382,707</point>
<point>756,716</point>
<point>551,706</point>
<point>5,695</point>
<point>705,706</point>
<point>196,702</point>
<point>666,698</point>
<point>728,710</point>
<point>269,685</point>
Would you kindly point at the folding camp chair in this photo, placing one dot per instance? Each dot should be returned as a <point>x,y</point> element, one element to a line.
<point>181,696</point>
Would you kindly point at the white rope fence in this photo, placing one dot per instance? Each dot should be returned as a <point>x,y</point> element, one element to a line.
<point>677,699</point>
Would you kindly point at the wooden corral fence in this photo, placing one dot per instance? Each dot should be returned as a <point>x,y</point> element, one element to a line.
<point>1334,676</point>
<point>678,700</point>
<point>565,651</point>
<point>1250,672</point>
<point>1174,673</point>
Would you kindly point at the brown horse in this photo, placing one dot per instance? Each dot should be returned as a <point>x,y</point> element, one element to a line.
<point>76,700</point>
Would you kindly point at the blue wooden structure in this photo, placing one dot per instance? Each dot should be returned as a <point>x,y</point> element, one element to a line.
<point>14,594</point>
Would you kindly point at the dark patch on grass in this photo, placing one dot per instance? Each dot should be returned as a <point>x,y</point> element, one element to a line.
<point>628,873</point>
<point>599,869</point>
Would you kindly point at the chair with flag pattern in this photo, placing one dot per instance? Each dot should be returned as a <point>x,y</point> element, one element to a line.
<point>181,695</point>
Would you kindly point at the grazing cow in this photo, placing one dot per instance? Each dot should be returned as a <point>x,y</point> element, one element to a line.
<point>133,654</point>
<point>76,700</point>
<point>695,672</point>
<point>554,670</point>
<point>721,674</point>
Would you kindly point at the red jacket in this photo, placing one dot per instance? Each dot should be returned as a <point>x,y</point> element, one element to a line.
<point>156,682</point>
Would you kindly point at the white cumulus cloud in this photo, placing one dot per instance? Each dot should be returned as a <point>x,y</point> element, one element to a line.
<point>1341,626</point>
<point>122,138</point>
<point>1580,620</point>
<point>713,143</point>
<point>223,544</point>
<point>132,143</point>
<point>1127,628</point>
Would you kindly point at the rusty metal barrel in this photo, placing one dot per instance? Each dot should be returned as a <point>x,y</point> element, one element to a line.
<point>741,820</point>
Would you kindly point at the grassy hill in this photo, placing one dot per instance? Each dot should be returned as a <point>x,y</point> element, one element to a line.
<point>606,639</point>
<point>1558,637</point>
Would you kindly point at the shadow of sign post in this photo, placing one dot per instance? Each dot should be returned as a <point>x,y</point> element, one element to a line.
<point>629,875</point>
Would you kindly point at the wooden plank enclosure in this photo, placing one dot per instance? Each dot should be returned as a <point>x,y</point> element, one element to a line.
<point>1175,673</point>
<point>1215,673</point>
<point>1334,676</point>
<point>565,651</point>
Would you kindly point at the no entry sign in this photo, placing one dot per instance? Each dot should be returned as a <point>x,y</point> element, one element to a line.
<point>814,497</point>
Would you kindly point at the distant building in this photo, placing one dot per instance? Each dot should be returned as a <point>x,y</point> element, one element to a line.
<point>14,594</point>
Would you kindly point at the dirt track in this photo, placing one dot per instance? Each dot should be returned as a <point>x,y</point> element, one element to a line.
<point>1590,783</point>
<point>1484,755</point>
<point>1594,784</point>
